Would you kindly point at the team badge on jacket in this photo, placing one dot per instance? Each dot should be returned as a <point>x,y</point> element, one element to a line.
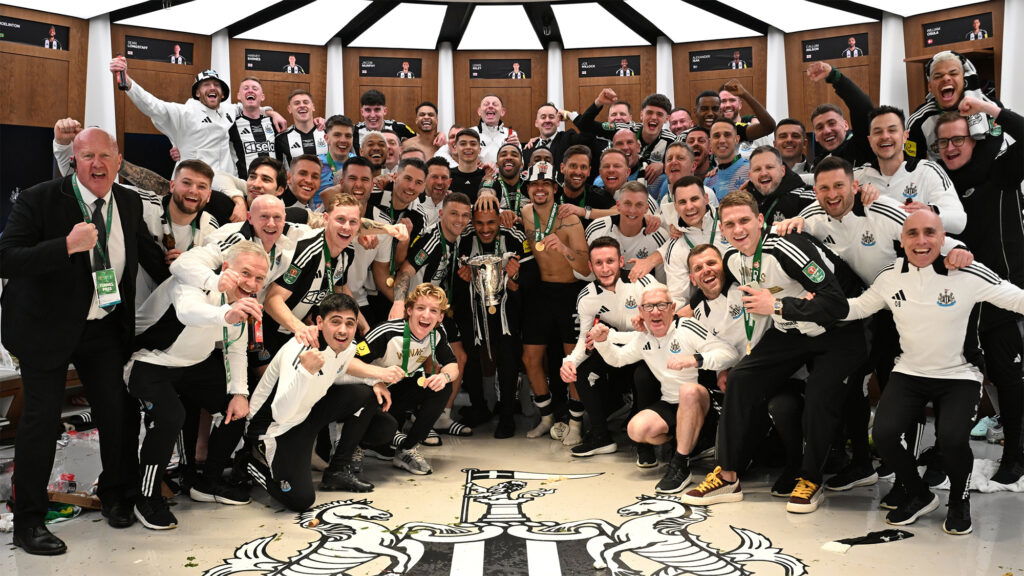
<point>867,239</point>
<point>946,299</point>
<point>631,303</point>
<point>910,192</point>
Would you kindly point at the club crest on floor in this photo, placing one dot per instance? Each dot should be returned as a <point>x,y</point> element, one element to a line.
<point>656,528</point>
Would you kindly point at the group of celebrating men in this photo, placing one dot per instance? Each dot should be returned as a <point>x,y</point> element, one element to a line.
<point>696,261</point>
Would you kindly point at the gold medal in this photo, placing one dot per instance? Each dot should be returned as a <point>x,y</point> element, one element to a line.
<point>491,309</point>
<point>748,348</point>
<point>539,247</point>
<point>422,381</point>
<point>390,281</point>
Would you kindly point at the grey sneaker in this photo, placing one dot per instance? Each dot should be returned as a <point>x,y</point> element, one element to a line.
<point>412,461</point>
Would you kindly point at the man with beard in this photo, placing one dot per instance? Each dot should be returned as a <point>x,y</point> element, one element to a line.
<point>776,275</point>
<point>679,161</point>
<point>435,255</point>
<point>937,303</point>
<point>492,131</point>
<point>373,110</point>
<point>611,300</point>
<point>495,330</point>
<point>560,250</point>
<point>62,239</point>
<point>302,137</point>
<point>340,135</point>
<point>439,182</point>
<point>698,139</point>
<point>449,152</point>
<point>779,192</point>
<point>427,138</point>
<point>650,131</point>
<point>628,227</point>
<point>178,221</point>
<point>189,344</point>
<point>318,267</point>
<point>199,127</point>
<point>679,121</point>
<point>731,169</point>
<point>252,133</point>
<point>508,186</point>
<point>833,135</point>
<point>790,141</point>
<point>695,223</point>
<point>990,188</point>
<point>673,350</point>
<point>918,182</point>
<point>297,397</point>
<point>268,177</point>
<point>709,109</point>
<point>576,197</point>
<point>401,205</point>
<point>952,77</point>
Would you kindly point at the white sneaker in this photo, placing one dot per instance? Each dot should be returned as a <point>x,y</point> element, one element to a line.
<point>558,431</point>
<point>994,435</point>
<point>412,461</point>
<point>982,427</point>
<point>541,429</point>
<point>574,435</point>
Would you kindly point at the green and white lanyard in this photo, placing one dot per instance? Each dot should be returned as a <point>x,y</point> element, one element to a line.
<point>334,168</point>
<point>393,265</point>
<point>539,235</point>
<point>755,272</point>
<point>228,342</point>
<point>714,228</point>
<point>101,248</point>
<point>328,268</point>
<point>407,341</point>
<point>170,228</point>
<point>498,245</point>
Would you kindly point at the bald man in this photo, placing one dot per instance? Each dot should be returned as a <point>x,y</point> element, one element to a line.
<point>931,306</point>
<point>71,252</point>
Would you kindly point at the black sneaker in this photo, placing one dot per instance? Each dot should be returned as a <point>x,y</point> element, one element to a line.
<point>677,476</point>
<point>934,476</point>
<point>1009,472</point>
<point>852,476</point>
<point>783,487</point>
<point>895,498</point>
<point>884,472</point>
<point>913,508</point>
<point>506,427</point>
<point>958,518</point>
<point>153,513</point>
<point>343,479</point>
<point>645,456</point>
<point>205,490</point>
<point>593,446</point>
<point>837,459</point>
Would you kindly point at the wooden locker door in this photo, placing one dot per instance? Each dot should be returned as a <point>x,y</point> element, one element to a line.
<point>401,99</point>
<point>519,112</point>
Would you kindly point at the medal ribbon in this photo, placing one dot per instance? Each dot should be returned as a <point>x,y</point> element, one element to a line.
<point>407,340</point>
<point>101,248</point>
<point>228,342</point>
<point>714,228</point>
<point>170,227</point>
<point>538,235</point>
<point>755,271</point>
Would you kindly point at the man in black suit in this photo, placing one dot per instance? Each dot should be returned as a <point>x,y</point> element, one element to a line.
<point>558,141</point>
<point>64,239</point>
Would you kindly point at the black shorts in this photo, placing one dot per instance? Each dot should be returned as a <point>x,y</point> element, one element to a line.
<point>550,307</point>
<point>451,329</point>
<point>667,411</point>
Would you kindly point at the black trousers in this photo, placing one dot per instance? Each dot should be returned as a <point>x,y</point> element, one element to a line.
<point>171,400</point>
<point>900,405</point>
<point>1004,351</point>
<point>884,347</point>
<point>99,363</point>
<point>832,357</point>
<point>288,480</point>
<point>596,382</point>
<point>506,353</point>
<point>426,404</point>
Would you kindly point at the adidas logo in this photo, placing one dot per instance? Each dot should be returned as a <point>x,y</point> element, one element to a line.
<point>296,145</point>
<point>207,121</point>
<point>898,298</point>
<point>246,131</point>
<point>829,240</point>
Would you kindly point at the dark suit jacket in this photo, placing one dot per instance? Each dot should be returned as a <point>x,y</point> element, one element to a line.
<point>48,296</point>
<point>563,139</point>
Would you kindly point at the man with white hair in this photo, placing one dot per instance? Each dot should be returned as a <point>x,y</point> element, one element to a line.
<point>673,350</point>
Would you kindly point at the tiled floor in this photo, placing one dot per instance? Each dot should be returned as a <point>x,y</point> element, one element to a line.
<point>208,534</point>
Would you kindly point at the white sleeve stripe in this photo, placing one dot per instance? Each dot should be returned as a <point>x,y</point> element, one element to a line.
<point>383,329</point>
<point>812,210</point>
<point>928,107</point>
<point>793,252</point>
<point>981,271</point>
<point>309,252</point>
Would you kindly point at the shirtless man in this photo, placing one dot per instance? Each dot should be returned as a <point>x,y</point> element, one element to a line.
<point>560,250</point>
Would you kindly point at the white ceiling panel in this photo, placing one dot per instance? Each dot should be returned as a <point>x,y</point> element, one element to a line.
<point>74,8</point>
<point>409,26</point>
<point>683,22</point>
<point>589,25</point>
<point>314,23</point>
<point>199,16</point>
<point>798,15</point>
<point>499,28</point>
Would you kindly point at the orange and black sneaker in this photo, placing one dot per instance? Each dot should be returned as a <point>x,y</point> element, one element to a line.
<point>805,497</point>
<point>714,490</point>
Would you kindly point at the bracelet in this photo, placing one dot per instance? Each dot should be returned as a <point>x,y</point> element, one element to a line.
<point>586,213</point>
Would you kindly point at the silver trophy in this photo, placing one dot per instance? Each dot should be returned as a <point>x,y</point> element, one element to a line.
<point>488,279</point>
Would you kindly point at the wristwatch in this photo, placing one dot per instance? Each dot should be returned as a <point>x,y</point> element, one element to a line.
<point>586,213</point>
<point>777,308</point>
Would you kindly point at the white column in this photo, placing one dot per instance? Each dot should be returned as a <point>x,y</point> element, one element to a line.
<point>335,100</point>
<point>445,88</point>
<point>892,86</point>
<point>777,92</point>
<point>556,87</point>
<point>665,83</point>
<point>1011,92</point>
<point>99,82</point>
<point>220,56</point>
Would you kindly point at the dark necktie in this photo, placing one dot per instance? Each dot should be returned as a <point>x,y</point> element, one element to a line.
<point>101,235</point>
